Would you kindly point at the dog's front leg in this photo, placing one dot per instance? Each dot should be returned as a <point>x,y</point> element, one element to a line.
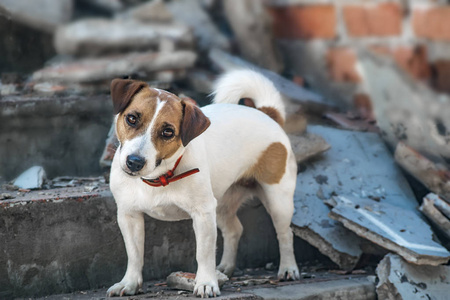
<point>133,232</point>
<point>206,234</point>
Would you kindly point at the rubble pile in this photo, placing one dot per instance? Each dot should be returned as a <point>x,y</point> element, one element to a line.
<point>352,199</point>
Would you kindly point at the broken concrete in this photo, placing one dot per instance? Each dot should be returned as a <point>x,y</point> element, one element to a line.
<point>434,176</point>
<point>148,12</point>
<point>250,23</point>
<point>33,178</point>
<point>346,289</point>
<point>152,66</point>
<point>441,204</point>
<point>192,14</point>
<point>407,110</point>
<point>404,281</point>
<point>186,281</point>
<point>93,37</point>
<point>343,170</point>
<point>397,229</point>
<point>307,145</point>
<point>45,15</point>
<point>435,216</point>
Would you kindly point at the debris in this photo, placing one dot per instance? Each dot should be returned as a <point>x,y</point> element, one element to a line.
<point>434,176</point>
<point>93,37</point>
<point>407,110</point>
<point>6,196</point>
<point>296,122</point>
<point>287,88</point>
<point>33,178</point>
<point>344,289</point>
<point>343,170</point>
<point>151,11</point>
<point>191,13</point>
<point>186,281</point>
<point>307,145</point>
<point>105,68</point>
<point>435,216</point>
<point>355,123</point>
<point>44,15</point>
<point>250,21</point>
<point>270,266</point>
<point>110,148</point>
<point>391,227</point>
<point>440,204</point>
<point>401,280</point>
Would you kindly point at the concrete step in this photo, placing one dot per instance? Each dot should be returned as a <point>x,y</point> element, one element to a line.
<point>324,286</point>
<point>67,239</point>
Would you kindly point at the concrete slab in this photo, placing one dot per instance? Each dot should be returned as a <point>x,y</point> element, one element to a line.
<point>394,228</point>
<point>344,170</point>
<point>401,280</point>
<point>67,239</point>
<point>345,289</point>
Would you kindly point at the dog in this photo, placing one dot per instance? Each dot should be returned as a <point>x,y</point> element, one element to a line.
<point>177,161</point>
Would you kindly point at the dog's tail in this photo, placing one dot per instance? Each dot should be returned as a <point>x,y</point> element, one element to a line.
<point>253,89</point>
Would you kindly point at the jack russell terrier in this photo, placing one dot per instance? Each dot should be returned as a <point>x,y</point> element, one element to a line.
<point>177,161</point>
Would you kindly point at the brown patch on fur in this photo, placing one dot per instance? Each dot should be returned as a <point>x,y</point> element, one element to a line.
<point>142,104</point>
<point>122,92</point>
<point>270,166</point>
<point>194,122</point>
<point>273,113</point>
<point>169,116</point>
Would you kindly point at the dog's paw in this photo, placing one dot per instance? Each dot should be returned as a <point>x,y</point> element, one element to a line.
<point>288,273</point>
<point>226,269</point>
<point>207,289</point>
<point>125,287</point>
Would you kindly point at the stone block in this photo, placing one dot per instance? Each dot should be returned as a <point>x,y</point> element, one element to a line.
<point>93,37</point>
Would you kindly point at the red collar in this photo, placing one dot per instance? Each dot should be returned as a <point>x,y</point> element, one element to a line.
<point>169,177</point>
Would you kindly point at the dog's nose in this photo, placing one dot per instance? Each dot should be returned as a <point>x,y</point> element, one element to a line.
<point>135,163</point>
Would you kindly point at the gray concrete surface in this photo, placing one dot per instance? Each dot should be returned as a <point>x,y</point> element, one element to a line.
<point>65,135</point>
<point>342,287</point>
<point>65,240</point>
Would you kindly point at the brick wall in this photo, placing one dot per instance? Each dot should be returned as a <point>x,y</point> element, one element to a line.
<point>415,33</point>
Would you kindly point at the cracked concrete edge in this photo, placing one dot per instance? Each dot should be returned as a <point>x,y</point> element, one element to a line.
<point>407,254</point>
<point>343,260</point>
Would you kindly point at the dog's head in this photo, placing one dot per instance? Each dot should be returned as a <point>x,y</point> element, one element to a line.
<point>153,126</point>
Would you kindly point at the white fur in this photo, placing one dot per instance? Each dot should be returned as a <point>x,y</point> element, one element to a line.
<point>224,152</point>
<point>234,85</point>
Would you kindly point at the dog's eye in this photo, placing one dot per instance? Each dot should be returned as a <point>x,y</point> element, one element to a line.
<point>167,133</point>
<point>131,120</point>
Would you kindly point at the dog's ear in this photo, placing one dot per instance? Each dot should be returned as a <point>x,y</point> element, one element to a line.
<point>122,90</point>
<point>194,122</point>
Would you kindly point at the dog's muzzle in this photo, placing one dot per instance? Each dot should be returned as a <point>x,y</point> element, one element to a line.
<point>135,163</point>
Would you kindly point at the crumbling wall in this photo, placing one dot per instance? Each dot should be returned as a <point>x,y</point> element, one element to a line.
<point>319,41</point>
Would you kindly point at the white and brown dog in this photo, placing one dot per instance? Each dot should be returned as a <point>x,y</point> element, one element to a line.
<point>177,161</point>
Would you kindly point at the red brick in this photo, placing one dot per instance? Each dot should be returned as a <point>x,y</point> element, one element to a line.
<point>432,23</point>
<point>412,59</point>
<point>383,19</point>
<point>304,22</point>
<point>441,75</point>
<point>341,64</point>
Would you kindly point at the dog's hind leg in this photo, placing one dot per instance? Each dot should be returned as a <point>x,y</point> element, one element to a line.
<point>278,201</point>
<point>230,226</point>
